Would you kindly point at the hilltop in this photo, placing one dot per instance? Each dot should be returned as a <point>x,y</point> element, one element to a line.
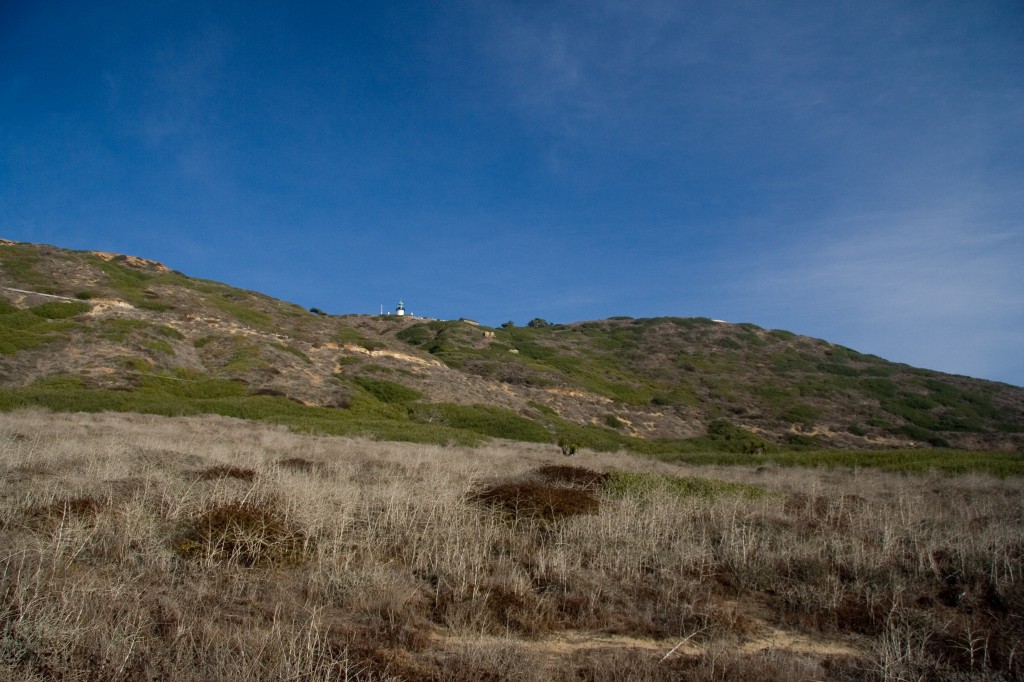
<point>90,331</point>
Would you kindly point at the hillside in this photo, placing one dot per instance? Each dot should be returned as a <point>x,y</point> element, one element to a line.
<point>94,331</point>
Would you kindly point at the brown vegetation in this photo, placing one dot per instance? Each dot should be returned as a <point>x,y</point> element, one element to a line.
<point>384,561</point>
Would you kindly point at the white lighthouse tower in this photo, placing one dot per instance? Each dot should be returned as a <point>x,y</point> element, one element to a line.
<point>400,310</point>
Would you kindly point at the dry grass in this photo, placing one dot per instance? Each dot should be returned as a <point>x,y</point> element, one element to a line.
<point>351,559</point>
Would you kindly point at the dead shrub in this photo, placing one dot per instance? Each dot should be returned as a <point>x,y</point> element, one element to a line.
<point>302,464</point>
<point>374,471</point>
<point>577,477</point>
<point>243,532</point>
<point>816,511</point>
<point>81,506</point>
<point>613,664</point>
<point>537,500</point>
<point>515,610</point>
<point>717,663</point>
<point>225,471</point>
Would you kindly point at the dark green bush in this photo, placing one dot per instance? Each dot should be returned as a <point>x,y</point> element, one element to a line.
<point>879,389</point>
<point>613,422</point>
<point>725,436</point>
<point>417,334</point>
<point>782,334</point>
<point>839,369</point>
<point>800,440</point>
<point>160,307</point>
<point>387,391</point>
<point>169,332</point>
<point>801,414</point>
<point>58,310</point>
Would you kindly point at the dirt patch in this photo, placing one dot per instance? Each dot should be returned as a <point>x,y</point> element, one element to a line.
<point>131,261</point>
<point>572,642</point>
<point>798,643</point>
<point>394,355</point>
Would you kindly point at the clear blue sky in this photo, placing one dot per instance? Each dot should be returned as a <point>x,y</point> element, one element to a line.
<point>850,170</point>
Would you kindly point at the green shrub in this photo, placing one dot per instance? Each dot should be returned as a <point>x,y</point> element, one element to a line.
<point>387,391</point>
<point>916,432</point>
<point>568,447</point>
<point>839,369</point>
<point>241,312</point>
<point>613,422</point>
<point>119,329</point>
<point>543,409</point>
<point>160,347</point>
<point>416,335</point>
<point>294,351</point>
<point>57,310</point>
<point>19,261</point>
<point>879,389</point>
<point>246,358</point>
<point>801,440</point>
<point>155,306</point>
<point>491,421</point>
<point>726,436</point>
<point>346,335</point>
<point>781,335</point>
<point>25,329</point>
<point>169,332</point>
<point>801,414</point>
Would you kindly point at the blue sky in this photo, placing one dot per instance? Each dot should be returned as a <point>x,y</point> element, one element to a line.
<point>853,171</point>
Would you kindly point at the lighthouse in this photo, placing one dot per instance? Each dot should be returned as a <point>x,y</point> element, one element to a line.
<point>400,310</point>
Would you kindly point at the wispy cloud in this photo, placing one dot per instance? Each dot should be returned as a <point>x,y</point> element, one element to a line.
<point>941,288</point>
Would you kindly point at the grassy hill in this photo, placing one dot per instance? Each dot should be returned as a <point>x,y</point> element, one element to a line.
<point>134,546</point>
<point>89,331</point>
